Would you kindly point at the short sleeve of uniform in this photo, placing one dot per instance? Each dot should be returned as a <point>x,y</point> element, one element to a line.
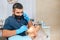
<point>6,24</point>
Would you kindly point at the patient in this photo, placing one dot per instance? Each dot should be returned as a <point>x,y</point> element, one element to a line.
<point>31,34</point>
<point>33,30</point>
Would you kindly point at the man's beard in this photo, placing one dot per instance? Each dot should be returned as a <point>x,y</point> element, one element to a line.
<point>19,17</point>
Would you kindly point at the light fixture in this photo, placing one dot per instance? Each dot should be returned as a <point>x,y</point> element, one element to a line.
<point>12,1</point>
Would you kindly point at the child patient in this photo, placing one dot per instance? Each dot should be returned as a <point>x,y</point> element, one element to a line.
<point>32,31</point>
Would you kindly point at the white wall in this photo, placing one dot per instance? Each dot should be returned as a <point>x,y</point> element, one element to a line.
<point>6,8</point>
<point>49,12</point>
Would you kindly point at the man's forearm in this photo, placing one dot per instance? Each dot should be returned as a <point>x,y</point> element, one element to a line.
<point>7,33</point>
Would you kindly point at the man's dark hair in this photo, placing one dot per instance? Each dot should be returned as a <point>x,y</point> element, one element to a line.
<point>18,5</point>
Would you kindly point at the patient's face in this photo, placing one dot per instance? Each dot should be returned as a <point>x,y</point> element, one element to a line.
<point>18,12</point>
<point>32,31</point>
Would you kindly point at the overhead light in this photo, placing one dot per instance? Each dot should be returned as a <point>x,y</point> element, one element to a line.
<point>12,1</point>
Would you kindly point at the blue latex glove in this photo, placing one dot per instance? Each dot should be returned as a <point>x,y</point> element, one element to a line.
<point>21,29</point>
<point>26,17</point>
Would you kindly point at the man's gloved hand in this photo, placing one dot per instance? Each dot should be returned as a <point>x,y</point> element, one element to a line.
<point>26,17</point>
<point>21,29</point>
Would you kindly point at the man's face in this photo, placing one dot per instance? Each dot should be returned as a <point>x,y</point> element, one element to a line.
<point>18,12</point>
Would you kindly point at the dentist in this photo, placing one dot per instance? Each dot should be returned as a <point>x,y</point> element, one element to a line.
<point>15,26</point>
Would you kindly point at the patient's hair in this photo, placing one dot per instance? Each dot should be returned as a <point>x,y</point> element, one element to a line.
<point>18,5</point>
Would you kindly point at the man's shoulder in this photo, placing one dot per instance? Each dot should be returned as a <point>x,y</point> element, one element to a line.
<point>10,18</point>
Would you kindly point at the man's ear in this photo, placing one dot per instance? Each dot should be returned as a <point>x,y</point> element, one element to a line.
<point>13,11</point>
